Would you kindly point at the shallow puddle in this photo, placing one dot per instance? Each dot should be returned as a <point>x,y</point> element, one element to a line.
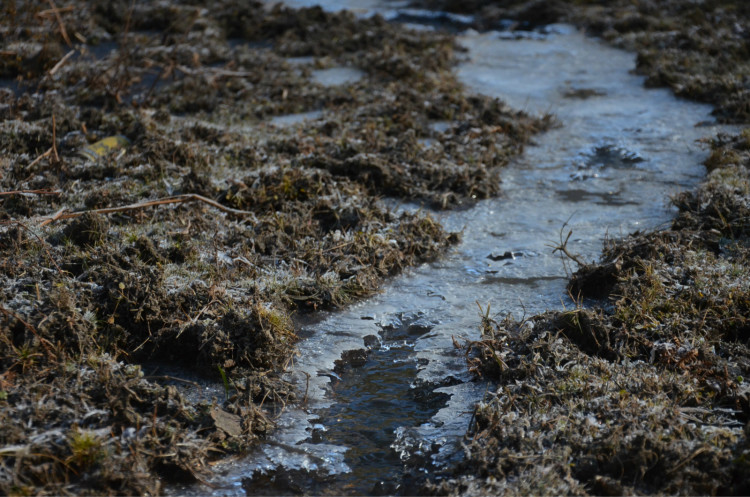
<point>401,402</point>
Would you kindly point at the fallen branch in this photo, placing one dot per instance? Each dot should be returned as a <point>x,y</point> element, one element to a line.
<point>177,199</point>
<point>61,62</point>
<point>35,192</point>
<point>45,154</point>
<point>60,22</point>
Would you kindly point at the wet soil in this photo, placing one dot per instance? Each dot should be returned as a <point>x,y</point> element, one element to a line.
<point>194,238</point>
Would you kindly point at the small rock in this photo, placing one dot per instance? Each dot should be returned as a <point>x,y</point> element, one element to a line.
<point>231,424</point>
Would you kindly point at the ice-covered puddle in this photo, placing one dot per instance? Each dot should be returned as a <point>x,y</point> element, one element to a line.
<point>386,392</point>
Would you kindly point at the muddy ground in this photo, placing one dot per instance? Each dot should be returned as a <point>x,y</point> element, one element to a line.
<point>642,387</point>
<point>151,213</point>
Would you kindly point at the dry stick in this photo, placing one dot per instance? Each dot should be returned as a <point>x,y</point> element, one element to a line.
<point>45,154</point>
<point>35,192</point>
<point>54,138</point>
<point>172,378</point>
<point>63,31</point>
<point>61,62</point>
<point>47,12</point>
<point>215,72</point>
<point>688,459</point>
<point>177,199</point>
<point>46,343</point>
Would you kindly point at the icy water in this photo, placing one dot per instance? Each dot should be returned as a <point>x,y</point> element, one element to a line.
<point>386,393</point>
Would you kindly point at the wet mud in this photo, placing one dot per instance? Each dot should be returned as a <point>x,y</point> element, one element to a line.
<point>140,272</point>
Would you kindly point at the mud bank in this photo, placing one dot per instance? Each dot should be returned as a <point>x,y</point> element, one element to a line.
<point>135,269</point>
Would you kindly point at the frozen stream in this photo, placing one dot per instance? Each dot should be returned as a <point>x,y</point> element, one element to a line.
<point>608,170</point>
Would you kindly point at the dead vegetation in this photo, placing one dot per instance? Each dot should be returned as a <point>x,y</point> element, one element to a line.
<point>193,243</point>
<point>644,393</point>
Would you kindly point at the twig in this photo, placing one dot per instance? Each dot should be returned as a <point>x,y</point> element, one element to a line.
<point>45,154</point>
<point>216,72</point>
<point>195,318</point>
<point>54,138</point>
<point>177,199</point>
<point>172,378</point>
<point>61,62</point>
<point>35,192</point>
<point>46,343</point>
<point>562,247</point>
<point>692,456</point>
<point>47,12</point>
<point>341,245</point>
<point>60,22</point>
<point>16,450</point>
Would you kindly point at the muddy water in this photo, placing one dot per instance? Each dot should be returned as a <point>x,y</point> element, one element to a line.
<point>385,391</point>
